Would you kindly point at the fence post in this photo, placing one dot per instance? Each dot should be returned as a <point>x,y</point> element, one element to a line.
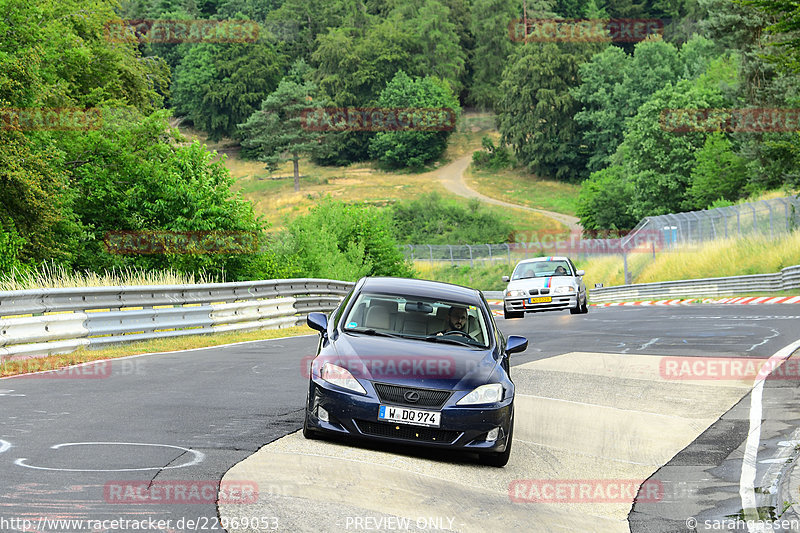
<point>490,253</point>
<point>508,249</point>
<point>471,264</point>
<point>770,217</point>
<point>625,268</point>
<point>412,252</point>
<point>430,249</point>
<point>452,261</point>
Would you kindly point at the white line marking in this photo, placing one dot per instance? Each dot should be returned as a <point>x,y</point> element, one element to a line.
<point>4,445</point>
<point>766,339</point>
<point>199,457</point>
<point>7,392</point>
<point>652,341</point>
<point>748,476</point>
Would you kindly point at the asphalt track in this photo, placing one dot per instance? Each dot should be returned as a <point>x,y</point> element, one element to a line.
<point>592,405</point>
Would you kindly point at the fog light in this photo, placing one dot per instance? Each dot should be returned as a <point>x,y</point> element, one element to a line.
<point>493,434</point>
<point>322,414</point>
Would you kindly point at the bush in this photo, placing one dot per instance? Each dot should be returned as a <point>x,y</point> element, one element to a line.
<point>433,220</point>
<point>340,241</point>
<point>492,157</point>
<point>10,246</point>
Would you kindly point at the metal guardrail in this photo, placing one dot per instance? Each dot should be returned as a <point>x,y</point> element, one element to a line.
<point>41,322</point>
<point>787,279</point>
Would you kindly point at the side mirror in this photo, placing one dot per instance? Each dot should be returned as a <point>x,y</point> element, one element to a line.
<point>317,321</point>
<point>581,273</point>
<point>506,279</point>
<point>515,344</point>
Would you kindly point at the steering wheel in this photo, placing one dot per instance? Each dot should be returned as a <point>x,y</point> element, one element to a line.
<point>457,331</point>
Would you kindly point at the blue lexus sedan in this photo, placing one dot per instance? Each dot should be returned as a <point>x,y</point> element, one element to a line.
<point>414,362</point>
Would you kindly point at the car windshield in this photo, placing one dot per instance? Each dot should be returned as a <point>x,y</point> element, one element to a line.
<point>542,269</point>
<point>418,318</point>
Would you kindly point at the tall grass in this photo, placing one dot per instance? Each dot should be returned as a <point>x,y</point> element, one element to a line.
<point>727,257</point>
<point>50,275</point>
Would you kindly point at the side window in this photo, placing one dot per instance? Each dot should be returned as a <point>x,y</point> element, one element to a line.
<point>342,306</point>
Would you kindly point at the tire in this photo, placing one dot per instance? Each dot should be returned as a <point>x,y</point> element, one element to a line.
<point>512,314</point>
<point>577,309</point>
<point>585,307</point>
<point>499,459</point>
<point>308,433</point>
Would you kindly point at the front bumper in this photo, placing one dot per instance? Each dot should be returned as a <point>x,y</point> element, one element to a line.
<point>356,415</point>
<point>558,302</point>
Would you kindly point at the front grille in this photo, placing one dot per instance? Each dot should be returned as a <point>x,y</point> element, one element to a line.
<point>394,394</point>
<point>545,291</point>
<point>533,292</point>
<point>402,431</point>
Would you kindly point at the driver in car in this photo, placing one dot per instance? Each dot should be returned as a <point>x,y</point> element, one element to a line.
<point>456,320</point>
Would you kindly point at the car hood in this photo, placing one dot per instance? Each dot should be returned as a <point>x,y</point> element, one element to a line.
<point>539,283</point>
<point>409,362</point>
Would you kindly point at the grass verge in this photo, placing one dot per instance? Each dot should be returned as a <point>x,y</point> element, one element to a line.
<point>518,187</point>
<point>53,362</point>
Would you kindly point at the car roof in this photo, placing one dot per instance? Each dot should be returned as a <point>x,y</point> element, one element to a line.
<point>544,258</point>
<point>421,288</point>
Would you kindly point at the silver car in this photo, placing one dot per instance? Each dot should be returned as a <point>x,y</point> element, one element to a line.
<point>544,284</point>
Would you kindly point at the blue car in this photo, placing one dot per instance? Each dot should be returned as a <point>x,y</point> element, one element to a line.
<point>413,362</point>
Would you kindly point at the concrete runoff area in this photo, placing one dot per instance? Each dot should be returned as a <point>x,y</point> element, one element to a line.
<point>580,418</point>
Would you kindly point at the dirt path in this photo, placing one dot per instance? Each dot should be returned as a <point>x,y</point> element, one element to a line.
<point>452,177</point>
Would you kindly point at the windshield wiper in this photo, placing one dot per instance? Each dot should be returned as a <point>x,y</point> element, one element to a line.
<point>375,332</point>
<point>439,338</point>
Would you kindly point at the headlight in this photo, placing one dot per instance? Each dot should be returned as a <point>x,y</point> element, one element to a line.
<point>562,290</point>
<point>341,378</point>
<point>492,393</point>
<point>516,293</point>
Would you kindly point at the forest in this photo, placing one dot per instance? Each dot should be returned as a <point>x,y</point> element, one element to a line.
<point>581,111</point>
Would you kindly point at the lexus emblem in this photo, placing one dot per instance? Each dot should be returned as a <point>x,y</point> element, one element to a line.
<point>411,396</point>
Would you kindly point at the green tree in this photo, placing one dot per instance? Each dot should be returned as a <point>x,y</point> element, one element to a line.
<point>605,199</point>
<point>437,45</point>
<point>219,86</point>
<point>413,148</point>
<point>660,160</point>
<point>718,172</point>
<point>536,110</point>
<point>490,20</point>
<point>275,133</point>
<point>137,174</point>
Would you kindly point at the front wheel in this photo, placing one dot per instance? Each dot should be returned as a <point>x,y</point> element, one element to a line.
<point>499,459</point>
<point>308,433</point>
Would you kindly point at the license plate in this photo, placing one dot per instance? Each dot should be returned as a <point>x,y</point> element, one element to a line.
<point>415,417</point>
<point>542,300</point>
